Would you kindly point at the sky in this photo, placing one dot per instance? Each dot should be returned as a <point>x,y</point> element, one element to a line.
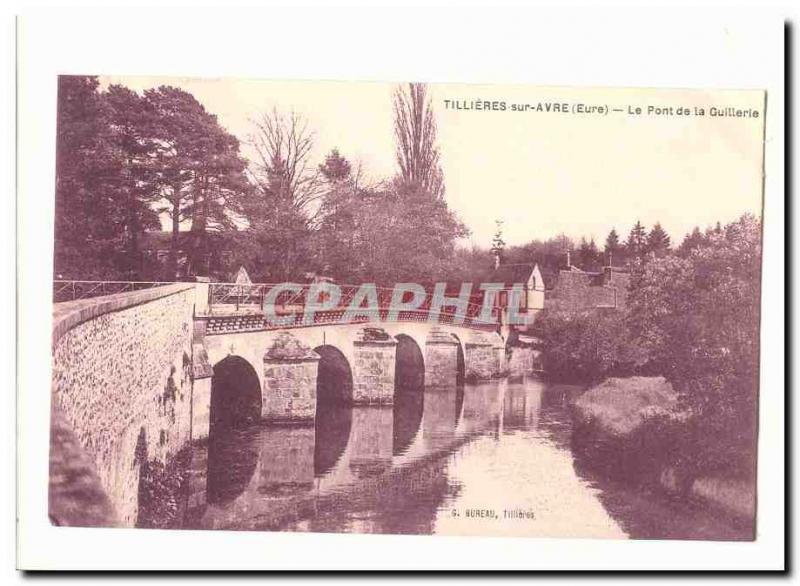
<point>542,173</point>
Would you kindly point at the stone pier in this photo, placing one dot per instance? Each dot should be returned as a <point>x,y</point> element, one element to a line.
<point>373,369</point>
<point>290,381</point>
<point>501,358</point>
<point>480,357</point>
<point>441,359</point>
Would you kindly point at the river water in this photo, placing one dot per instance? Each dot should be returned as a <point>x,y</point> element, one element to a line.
<point>492,458</point>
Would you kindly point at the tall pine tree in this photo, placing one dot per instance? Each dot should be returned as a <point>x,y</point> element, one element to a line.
<point>613,249</point>
<point>636,245</point>
<point>658,241</point>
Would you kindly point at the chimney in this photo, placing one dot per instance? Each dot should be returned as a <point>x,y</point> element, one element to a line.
<point>569,264</point>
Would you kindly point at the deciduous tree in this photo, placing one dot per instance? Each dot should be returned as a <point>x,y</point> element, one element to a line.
<point>285,209</point>
<point>415,141</point>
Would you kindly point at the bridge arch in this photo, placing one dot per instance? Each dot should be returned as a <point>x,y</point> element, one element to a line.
<point>235,394</point>
<point>409,365</point>
<point>334,376</point>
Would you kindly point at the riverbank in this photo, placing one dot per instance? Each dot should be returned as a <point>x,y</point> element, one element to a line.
<point>628,428</point>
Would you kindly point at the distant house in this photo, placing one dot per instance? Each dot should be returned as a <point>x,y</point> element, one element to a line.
<point>574,289</point>
<point>526,276</point>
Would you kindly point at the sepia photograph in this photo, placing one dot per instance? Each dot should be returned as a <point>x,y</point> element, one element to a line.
<point>406,308</point>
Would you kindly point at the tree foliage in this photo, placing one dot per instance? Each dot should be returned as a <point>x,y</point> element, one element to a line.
<point>585,346</point>
<point>288,186</point>
<point>613,249</point>
<point>697,318</point>
<point>658,241</point>
<point>103,180</point>
<point>124,158</point>
<point>692,316</point>
<point>415,141</point>
<point>636,245</point>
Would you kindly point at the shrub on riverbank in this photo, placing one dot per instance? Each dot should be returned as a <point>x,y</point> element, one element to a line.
<point>585,346</point>
<point>160,491</point>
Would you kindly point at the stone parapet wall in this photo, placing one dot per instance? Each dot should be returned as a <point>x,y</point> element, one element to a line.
<point>122,383</point>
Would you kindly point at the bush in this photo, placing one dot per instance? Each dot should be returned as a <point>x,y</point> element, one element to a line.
<point>161,488</point>
<point>585,346</point>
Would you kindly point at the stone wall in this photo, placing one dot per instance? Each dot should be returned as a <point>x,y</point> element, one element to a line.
<point>122,383</point>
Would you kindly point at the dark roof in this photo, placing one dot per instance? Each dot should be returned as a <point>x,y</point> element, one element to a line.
<point>508,274</point>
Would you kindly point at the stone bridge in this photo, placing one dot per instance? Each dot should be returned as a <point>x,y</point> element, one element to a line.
<point>285,372</point>
<point>139,375</point>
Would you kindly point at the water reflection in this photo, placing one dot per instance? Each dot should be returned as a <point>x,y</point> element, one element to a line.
<point>498,445</point>
<point>438,419</point>
<point>521,406</point>
<point>232,459</point>
<point>286,461</point>
<point>332,433</point>
<point>370,444</point>
<point>406,417</point>
<point>459,403</point>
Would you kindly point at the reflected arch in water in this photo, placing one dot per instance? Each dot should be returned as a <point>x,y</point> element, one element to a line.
<point>460,366</point>
<point>334,376</point>
<point>332,426</point>
<point>232,462</point>
<point>459,403</point>
<point>406,419</point>
<point>409,396</point>
<point>235,394</point>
